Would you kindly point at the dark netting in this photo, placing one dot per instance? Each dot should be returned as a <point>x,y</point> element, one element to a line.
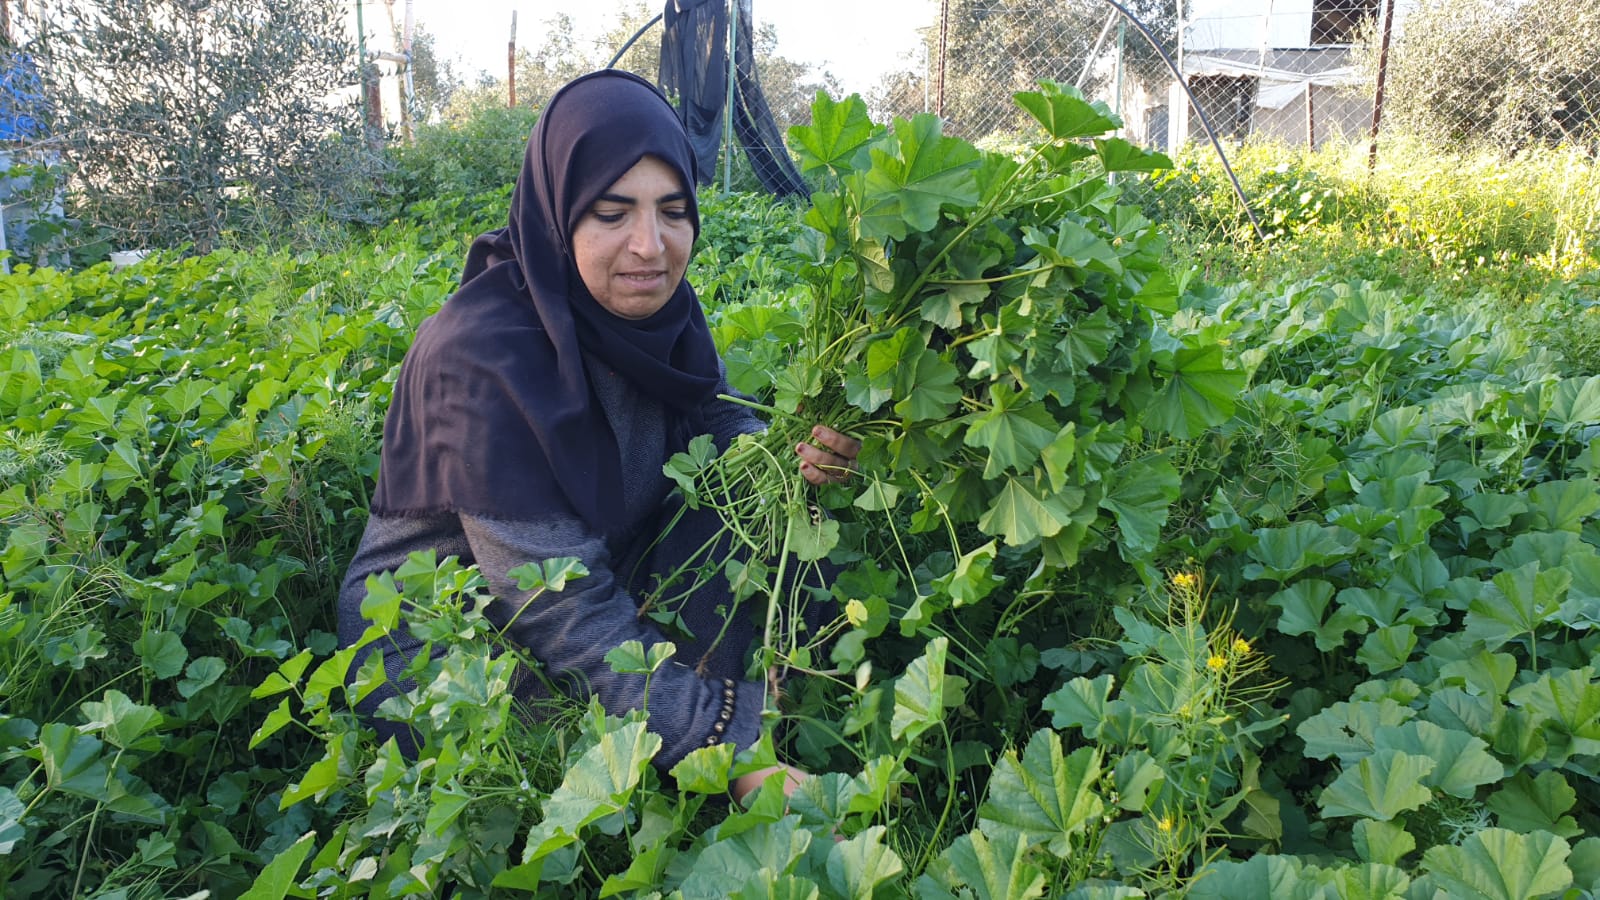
<point>694,71</point>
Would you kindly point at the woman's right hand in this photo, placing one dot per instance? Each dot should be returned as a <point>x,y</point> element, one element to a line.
<point>750,781</point>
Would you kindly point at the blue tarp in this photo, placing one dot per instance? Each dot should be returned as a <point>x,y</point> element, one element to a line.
<point>22,98</point>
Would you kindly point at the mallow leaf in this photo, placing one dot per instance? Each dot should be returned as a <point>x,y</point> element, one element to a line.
<point>1497,864</point>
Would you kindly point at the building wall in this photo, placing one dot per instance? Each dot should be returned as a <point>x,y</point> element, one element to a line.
<point>1337,114</point>
<point>1236,24</point>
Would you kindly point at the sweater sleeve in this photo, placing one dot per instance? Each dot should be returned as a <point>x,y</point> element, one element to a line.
<point>726,420</point>
<point>570,633</point>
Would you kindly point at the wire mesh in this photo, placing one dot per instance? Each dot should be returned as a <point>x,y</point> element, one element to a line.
<point>1297,91</point>
<point>1353,83</point>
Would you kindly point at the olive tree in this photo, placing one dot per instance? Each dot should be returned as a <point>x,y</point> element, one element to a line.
<point>183,119</point>
<point>1493,72</point>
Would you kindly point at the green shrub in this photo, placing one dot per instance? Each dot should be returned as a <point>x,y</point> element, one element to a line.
<point>478,154</point>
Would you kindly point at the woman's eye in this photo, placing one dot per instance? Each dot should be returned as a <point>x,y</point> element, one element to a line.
<point>676,213</point>
<point>607,217</point>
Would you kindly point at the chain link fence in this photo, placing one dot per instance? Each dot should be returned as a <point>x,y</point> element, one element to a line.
<point>1305,98</point>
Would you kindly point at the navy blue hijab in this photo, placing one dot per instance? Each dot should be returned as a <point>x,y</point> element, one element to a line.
<point>493,413</point>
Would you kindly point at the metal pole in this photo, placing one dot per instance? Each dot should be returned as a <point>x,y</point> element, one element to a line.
<point>733,74</point>
<point>1383,72</point>
<point>407,105</point>
<point>361,69</point>
<point>944,45</point>
<point>1094,54</point>
<point>1122,40</point>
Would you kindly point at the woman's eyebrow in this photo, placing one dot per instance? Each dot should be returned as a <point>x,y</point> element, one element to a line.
<point>674,197</point>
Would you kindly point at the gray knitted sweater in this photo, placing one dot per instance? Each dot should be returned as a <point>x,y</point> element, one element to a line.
<point>570,632</point>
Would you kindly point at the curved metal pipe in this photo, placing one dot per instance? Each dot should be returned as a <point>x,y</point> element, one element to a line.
<point>1205,122</point>
<point>631,41</point>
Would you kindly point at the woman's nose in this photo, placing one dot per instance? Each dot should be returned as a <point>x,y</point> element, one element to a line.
<point>645,237</point>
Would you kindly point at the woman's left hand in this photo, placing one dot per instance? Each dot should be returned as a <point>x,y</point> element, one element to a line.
<point>829,457</point>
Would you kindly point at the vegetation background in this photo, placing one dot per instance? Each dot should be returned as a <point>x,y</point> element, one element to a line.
<point>1239,564</point>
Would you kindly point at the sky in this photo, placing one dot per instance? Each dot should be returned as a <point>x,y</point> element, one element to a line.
<point>856,40</point>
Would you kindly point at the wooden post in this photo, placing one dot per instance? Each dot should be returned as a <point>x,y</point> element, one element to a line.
<point>511,63</point>
<point>1383,72</point>
<point>1311,118</point>
<point>5,21</point>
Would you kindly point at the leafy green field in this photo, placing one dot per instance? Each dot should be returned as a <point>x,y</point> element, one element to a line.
<point>1152,585</point>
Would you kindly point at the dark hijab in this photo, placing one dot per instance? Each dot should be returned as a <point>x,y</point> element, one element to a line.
<point>493,413</point>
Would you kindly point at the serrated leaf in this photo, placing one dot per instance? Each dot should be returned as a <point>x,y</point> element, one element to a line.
<point>200,674</point>
<point>1348,730</point>
<point>1574,402</point>
<point>972,578</point>
<point>162,652</point>
<point>1263,875</point>
<point>554,573</point>
<point>904,191</point>
<point>993,868</point>
<point>857,866</point>
<point>120,720</point>
<point>1387,648</point>
<point>837,137</point>
<point>705,770</point>
<point>1013,430</point>
<point>1382,843</point>
<point>1080,703</point>
<point>1461,761</point>
<point>1018,515</point>
<point>1139,496</point>
<point>1305,610</point>
<point>1118,155</point>
<point>72,762</point>
<point>1380,786</point>
<point>1527,803</point>
<point>1569,700</point>
<point>597,785</point>
<point>1064,113</point>
<point>1044,796</point>
<point>919,693</point>
<point>774,847</point>
<point>1517,604</point>
<point>1281,553</point>
<point>1496,864</point>
<point>12,831</point>
<point>278,876</point>
<point>1200,391</point>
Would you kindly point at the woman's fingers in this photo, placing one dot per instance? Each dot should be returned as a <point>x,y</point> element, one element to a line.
<point>830,459</point>
<point>840,443</point>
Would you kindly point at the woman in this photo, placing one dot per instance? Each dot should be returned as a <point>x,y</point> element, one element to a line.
<point>534,411</point>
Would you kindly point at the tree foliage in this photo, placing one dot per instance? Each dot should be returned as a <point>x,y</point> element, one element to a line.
<point>183,120</point>
<point>1487,72</point>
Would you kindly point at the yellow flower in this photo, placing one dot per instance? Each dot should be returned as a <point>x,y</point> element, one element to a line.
<point>1241,647</point>
<point>1164,823</point>
<point>1185,581</point>
<point>1217,662</point>
<point>856,612</point>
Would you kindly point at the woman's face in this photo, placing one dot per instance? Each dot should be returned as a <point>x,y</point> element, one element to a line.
<point>632,246</point>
